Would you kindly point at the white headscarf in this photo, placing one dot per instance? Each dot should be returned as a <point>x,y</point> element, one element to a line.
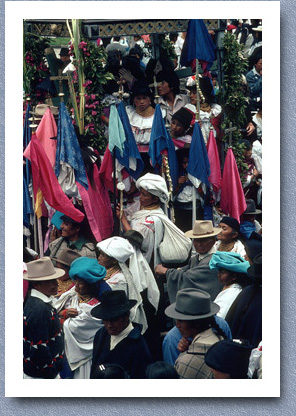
<point>155,185</point>
<point>117,247</point>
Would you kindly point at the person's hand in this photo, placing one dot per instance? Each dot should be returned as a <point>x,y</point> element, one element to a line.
<point>118,213</point>
<point>160,270</point>
<point>183,344</point>
<point>126,75</point>
<point>182,180</point>
<point>55,233</point>
<point>68,313</point>
<point>250,128</point>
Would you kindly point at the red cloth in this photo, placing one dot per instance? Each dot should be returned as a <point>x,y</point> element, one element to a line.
<point>178,143</point>
<point>97,207</point>
<point>106,170</point>
<point>46,129</point>
<point>45,180</point>
<point>215,177</point>
<point>232,200</point>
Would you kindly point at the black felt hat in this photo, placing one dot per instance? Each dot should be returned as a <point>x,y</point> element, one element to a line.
<point>255,271</point>
<point>229,357</point>
<point>134,237</point>
<point>69,219</point>
<point>113,304</point>
<point>184,116</point>
<point>232,222</point>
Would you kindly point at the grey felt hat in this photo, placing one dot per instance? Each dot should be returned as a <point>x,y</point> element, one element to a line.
<point>192,304</point>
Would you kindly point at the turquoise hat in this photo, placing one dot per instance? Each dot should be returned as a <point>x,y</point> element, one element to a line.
<point>228,261</point>
<point>87,269</point>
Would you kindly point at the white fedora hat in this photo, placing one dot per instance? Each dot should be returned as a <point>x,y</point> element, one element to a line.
<point>203,229</point>
<point>42,269</point>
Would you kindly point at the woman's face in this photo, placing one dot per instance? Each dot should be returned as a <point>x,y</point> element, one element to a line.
<point>163,89</point>
<point>227,233</point>
<point>225,277</point>
<point>142,102</point>
<point>106,261</point>
<point>147,199</point>
<point>82,287</point>
<point>186,328</point>
<point>177,128</point>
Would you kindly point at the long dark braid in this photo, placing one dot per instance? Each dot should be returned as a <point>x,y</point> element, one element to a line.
<point>216,327</point>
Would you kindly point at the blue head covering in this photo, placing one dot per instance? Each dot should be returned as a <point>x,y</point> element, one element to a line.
<point>87,269</point>
<point>228,261</point>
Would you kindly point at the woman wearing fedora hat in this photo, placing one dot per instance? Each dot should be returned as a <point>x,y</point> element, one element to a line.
<point>74,308</point>
<point>119,341</point>
<point>194,312</point>
<point>43,337</point>
<point>63,261</point>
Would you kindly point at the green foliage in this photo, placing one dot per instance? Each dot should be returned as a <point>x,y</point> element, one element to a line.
<point>34,68</point>
<point>231,95</point>
<point>96,78</point>
<point>167,47</point>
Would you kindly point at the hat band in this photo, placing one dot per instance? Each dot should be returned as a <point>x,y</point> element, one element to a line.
<point>184,312</point>
<point>208,232</point>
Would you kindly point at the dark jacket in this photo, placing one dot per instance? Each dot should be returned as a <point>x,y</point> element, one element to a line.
<point>131,353</point>
<point>245,315</point>
<point>43,344</point>
<point>196,275</point>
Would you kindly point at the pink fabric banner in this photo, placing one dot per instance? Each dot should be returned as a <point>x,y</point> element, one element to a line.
<point>213,155</point>
<point>46,129</point>
<point>97,207</point>
<point>232,200</point>
<point>45,180</point>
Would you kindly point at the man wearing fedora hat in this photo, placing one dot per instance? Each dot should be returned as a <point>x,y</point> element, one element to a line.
<point>197,274</point>
<point>119,341</point>
<point>250,228</point>
<point>194,312</point>
<point>43,347</point>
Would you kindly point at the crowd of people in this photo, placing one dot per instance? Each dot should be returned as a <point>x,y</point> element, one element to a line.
<point>167,296</point>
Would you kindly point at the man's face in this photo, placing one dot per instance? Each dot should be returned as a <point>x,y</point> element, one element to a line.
<point>193,96</point>
<point>70,230</point>
<point>258,66</point>
<point>203,245</point>
<point>115,326</point>
<point>47,287</point>
<point>65,59</point>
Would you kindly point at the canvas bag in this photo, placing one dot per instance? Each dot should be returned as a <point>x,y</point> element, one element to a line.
<point>175,246</point>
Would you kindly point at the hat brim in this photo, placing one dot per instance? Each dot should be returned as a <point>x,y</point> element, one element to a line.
<point>194,236</point>
<point>58,273</point>
<point>172,313</point>
<point>257,211</point>
<point>99,312</point>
